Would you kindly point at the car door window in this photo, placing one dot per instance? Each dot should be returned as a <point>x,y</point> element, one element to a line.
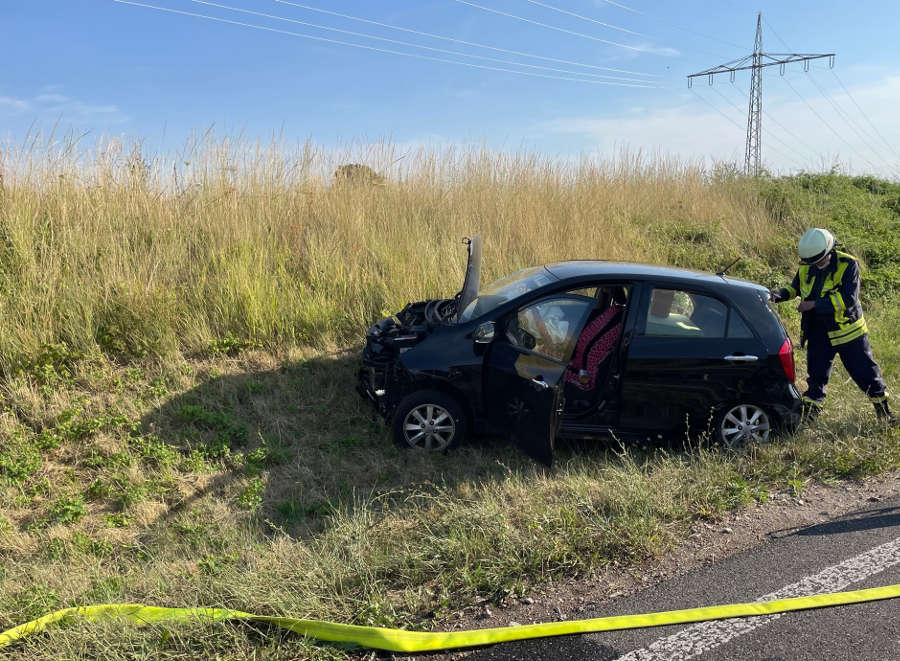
<point>590,292</point>
<point>550,327</point>
<point>678,313</point>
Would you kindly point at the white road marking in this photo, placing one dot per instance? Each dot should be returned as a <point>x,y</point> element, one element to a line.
<point>699,638</point>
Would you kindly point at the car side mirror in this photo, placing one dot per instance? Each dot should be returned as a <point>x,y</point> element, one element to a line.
<point>484,334</point>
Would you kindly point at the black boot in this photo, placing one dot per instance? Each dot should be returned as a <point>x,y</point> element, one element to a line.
<point>884,413</point>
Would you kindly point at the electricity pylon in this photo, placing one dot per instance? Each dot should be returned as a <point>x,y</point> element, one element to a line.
<point>756,61</point>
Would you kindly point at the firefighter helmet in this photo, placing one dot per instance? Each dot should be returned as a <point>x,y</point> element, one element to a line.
<point>815,244</point>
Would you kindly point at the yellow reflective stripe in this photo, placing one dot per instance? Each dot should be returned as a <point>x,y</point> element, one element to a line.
<point>837,302</point>
<point>878,400</point>
<point>806,281</point>
<point>791,291</point>
<point>398,640</point>
<point>847,329</point>
<point>849,338</point>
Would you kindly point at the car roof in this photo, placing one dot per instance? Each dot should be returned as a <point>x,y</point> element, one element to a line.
<point>598,267</point>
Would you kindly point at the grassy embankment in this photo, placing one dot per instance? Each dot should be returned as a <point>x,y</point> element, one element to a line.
<point>177,349</point>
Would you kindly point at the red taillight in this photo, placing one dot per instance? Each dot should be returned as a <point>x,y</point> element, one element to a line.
<point>786,354</point>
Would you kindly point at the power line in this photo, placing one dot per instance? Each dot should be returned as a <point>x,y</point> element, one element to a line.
<point>777,36</point>
<point>846,119</point>
<point>411,45</point>
<point>775,121</point>
<point>769,132</point>
<point>822,119</point>
<point>635,11</point>
<point>461,41</point>
<point>620,6</point>
<point>585,18</point>
<point>374,48</point>
<point>550,27</point>
<point>863,113</point>
<point>834,104</point>
<point>682,28</point>
<point>707,102</point>
<point>739,127</point>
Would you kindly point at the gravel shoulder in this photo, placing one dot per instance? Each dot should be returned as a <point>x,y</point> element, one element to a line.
<point>708,543</point>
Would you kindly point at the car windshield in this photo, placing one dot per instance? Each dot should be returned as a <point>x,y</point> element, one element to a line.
<point>505,289</point>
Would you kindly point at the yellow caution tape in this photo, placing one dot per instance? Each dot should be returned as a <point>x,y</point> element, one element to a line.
<point>398,640</point>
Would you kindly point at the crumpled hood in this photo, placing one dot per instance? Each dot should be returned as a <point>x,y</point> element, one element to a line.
<point>472,282</point>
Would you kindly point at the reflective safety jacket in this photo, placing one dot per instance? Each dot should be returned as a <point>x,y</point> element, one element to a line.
<point>837,310</point>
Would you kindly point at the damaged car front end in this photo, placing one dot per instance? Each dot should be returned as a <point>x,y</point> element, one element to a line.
<point>397,351</point>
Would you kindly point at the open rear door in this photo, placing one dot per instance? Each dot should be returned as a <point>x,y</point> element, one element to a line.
<point>524,371</point>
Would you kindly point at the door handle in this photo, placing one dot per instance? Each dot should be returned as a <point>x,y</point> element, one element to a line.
<point>540,384</point>
<point>741,359</point>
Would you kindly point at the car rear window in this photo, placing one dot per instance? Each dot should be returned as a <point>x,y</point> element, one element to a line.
<point>737,328</point>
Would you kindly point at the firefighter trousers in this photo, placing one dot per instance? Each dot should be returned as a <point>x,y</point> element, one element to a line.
<point>858,360</point>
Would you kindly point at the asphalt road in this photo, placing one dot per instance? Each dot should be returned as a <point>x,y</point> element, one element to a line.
<point>858,550</point>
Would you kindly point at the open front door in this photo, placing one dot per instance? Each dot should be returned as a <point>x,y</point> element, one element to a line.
<point>525,368</point>
<point>524,398</point>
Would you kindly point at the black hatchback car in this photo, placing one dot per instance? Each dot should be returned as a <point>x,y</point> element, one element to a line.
<point>583,349</point>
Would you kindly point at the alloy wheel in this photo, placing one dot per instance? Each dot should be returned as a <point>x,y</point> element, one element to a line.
<point>742,424</point>
<point>429,427</point>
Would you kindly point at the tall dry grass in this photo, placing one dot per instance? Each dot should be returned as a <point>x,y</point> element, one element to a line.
<point>257,481</point>
<point>111,248</point>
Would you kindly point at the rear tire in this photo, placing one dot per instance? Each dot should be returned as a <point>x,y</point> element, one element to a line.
<point>738,425</point>
<point>429,421</point>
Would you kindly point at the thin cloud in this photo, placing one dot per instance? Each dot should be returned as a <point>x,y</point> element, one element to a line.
<point>51,98</point>
<point>663,51</point>
<point>51,105</point>
<point>14,105</point>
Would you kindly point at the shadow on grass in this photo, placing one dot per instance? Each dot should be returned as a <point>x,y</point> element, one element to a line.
<point>297,443</point>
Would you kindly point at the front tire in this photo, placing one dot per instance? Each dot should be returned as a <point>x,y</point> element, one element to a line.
<point>429,421</point>
<point>739,425</point>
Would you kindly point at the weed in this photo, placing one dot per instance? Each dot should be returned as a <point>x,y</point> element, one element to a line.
<point>117,520</point>
<point>51,364</point>
<point>293,511</point>
<point>19,460</point>
<point>36,600</point>
<point>230,346</point>
<point>106,589</point>
<point>67,509</point>
<point>252,495</point>
<point>227,432</point>
<point>96,547</point>
<point>213,565</point>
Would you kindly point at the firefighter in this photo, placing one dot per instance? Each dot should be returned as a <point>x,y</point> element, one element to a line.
<point>832,322</point>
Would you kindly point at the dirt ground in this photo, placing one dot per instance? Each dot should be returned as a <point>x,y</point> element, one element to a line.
<point>707,543</point>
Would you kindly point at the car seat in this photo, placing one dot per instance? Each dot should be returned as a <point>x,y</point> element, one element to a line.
<point>596,344</point>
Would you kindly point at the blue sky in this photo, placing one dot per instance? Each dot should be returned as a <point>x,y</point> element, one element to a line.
<point>117,69</point>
